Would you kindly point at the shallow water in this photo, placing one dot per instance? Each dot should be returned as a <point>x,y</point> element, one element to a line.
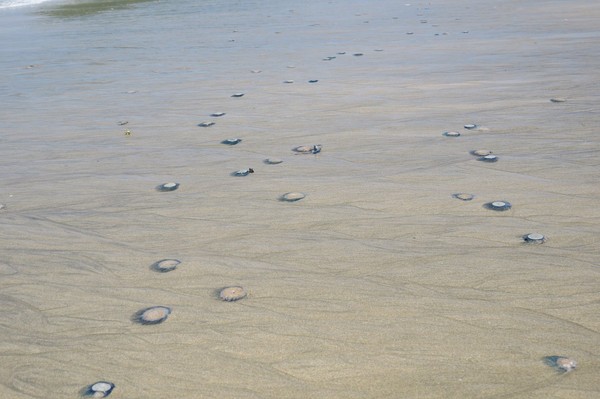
<point>377,284</point>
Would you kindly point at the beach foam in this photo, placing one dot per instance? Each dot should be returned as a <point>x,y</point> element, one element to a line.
<point>20,3</point>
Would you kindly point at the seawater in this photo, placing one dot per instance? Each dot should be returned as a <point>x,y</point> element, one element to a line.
<point>378,284</point>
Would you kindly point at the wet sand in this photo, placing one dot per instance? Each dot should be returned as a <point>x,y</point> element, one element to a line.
<point>378,284</point>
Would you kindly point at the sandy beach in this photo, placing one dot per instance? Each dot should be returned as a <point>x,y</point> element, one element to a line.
<point>378,283</point>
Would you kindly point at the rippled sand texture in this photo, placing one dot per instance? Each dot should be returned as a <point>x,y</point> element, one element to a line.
<point>378,284</point>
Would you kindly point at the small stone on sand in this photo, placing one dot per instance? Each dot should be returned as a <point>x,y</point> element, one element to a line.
<point>243,172</point>
<point>481,153</point>
<point>464,196</point>
<point>170,186</point>
<point>306,149</point>
<point>498,205</point>
<point>451,134</point>
<point>488,158</point>
<point>166,265</point>
<point>231,141</point>
<point>153,315</point>
<point>100,389</point>
<point>232,294</point>
<point>534,238</point>
<point>562,364</point>
<point>292,197</point>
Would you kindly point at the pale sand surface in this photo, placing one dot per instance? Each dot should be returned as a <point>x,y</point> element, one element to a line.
<point>378,284</point>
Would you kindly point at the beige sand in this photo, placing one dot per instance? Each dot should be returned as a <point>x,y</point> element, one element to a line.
<point>378,284</point>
